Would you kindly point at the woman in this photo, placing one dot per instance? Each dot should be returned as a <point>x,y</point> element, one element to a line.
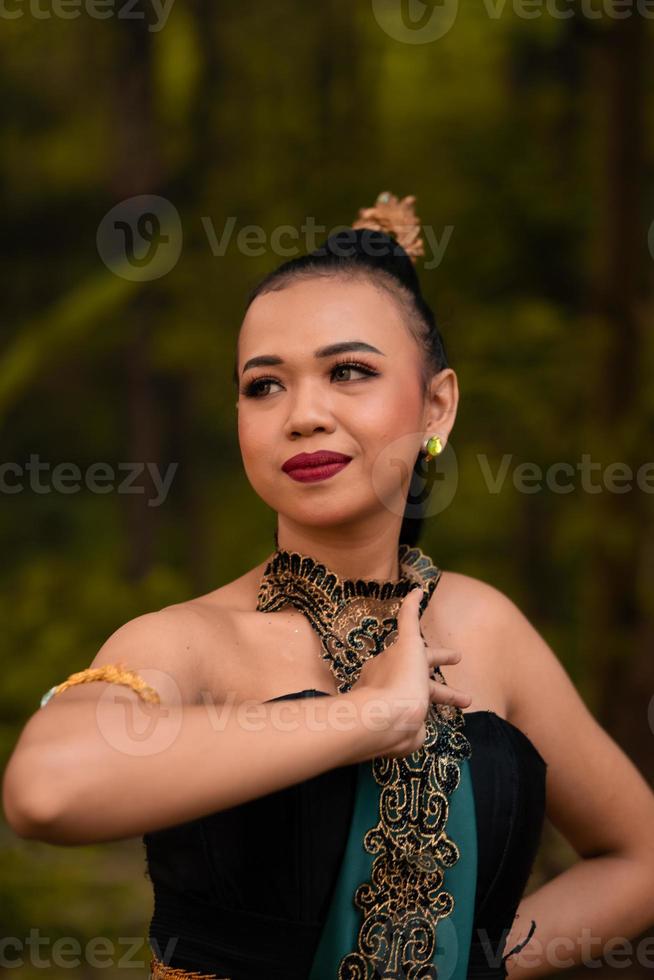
<point>355,821</point>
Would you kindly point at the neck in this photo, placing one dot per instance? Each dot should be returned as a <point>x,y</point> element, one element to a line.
<point>371,558</point>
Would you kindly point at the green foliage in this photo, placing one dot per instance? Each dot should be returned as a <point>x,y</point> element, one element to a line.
<point>269,114</point>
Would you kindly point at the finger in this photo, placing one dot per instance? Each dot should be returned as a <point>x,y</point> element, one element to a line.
<point>409,610</point>
<point>442,655</point>
<point>443,694</point>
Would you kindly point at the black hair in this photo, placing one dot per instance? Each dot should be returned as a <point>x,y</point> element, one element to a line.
<point>365,253</point>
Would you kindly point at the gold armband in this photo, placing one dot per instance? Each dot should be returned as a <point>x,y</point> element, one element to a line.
<point>159,971</point>
<point>114,673</point>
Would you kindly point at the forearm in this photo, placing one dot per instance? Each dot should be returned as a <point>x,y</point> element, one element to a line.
<point>596,904</point>
<point>114,783</point>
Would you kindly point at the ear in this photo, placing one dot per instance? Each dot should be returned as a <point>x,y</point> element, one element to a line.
<point>442,403</point>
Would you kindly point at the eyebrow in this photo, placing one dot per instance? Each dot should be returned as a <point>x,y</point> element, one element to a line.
<point>328,351</point>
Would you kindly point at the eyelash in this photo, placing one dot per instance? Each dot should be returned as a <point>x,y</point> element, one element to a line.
<point>249,389</point>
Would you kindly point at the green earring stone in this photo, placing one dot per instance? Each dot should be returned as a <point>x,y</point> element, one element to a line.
<point>434,446</point>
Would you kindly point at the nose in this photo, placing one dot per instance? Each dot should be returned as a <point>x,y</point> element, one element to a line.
<point>309,411</point>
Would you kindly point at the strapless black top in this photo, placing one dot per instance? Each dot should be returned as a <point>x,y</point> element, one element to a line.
<point>244,893</point>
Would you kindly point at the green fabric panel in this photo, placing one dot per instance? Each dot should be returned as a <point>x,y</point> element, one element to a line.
<point>339,935</point>
<point>453,933</point>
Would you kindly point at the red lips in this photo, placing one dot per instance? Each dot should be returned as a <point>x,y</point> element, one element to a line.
<point>321,458</point>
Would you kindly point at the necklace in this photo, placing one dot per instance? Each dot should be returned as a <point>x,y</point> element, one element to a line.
<point>354,618</point>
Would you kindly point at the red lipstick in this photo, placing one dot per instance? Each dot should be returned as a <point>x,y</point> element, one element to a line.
<point>310,467</point>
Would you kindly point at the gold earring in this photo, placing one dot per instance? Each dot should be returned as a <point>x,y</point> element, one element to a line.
<point>433,446</point>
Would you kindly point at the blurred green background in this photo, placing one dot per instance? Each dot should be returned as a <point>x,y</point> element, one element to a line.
<point>528,141</point>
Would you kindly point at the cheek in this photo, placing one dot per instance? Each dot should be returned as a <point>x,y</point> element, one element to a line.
<point>253,434</point>
<point>389,434</point>
<point>258,438</point>
<point>393,412</point>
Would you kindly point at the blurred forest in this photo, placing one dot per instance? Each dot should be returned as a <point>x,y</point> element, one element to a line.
<point>530,139</point>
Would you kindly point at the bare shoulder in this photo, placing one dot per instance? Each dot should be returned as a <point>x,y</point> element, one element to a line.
<point>472,616</point>
<point>179,640</point>
<point>595,815</point>
<point>473,613</point>
<point>166,647</point>
<point>163,646</point>
<point>470,601</point>
<point>480,617</point>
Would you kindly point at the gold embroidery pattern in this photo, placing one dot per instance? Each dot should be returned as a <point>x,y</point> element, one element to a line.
<point>159,971</point>
<point>354,619</point>
<point>405,898</point>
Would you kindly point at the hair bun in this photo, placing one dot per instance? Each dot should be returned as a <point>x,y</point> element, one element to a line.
<point>396,218</point>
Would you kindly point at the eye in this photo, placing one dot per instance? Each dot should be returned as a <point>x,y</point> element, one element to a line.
<point>353,366</point>
<point>252,388</point>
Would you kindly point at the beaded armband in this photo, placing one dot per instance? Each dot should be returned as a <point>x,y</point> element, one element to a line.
<point>114,673</point>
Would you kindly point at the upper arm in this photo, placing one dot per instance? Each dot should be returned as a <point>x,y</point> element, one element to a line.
<point>595,795</point>
<point>163,647</point>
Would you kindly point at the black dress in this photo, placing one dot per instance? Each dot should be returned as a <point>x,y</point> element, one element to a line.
<point>243,893</point>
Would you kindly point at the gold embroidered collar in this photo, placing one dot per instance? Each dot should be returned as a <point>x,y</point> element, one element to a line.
<point>354,618</point>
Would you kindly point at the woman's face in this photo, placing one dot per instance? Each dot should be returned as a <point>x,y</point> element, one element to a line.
<point>309,402</point>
